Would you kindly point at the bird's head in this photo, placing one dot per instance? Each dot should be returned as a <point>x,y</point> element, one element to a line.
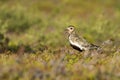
<point>70,29</point>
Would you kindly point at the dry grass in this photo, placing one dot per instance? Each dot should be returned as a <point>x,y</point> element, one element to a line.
<point>33,45</point>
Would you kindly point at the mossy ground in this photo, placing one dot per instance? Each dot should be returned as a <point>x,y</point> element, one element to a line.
<point>33,44</point>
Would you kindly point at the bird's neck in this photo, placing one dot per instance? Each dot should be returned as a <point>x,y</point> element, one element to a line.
<point>72,33</point>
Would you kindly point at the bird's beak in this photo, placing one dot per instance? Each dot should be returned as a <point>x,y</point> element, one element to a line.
<point>66,31</point>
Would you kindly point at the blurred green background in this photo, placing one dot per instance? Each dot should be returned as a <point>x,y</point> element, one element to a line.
<point>37,26</point>
<point>27,21</point>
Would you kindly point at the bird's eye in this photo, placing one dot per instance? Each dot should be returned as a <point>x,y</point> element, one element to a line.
<point>71,28</point>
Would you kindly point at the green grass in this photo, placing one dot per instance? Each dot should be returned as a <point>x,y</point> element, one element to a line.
<point>33,44</point>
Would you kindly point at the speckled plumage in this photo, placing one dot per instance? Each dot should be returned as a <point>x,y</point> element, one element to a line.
<point>78,42</point>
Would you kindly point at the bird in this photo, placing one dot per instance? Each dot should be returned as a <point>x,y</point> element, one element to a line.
<point>78,42</point>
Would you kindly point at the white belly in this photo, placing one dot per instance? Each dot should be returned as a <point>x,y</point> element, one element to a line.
<point>76,44</point>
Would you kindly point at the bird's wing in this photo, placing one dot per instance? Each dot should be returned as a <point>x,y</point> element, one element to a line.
<point>81,40</point>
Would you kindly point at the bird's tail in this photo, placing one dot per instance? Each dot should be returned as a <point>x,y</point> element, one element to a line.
<point>93,46</point>
<point>97,48</point>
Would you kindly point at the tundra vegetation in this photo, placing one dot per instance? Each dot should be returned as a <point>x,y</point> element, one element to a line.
<point>33,45</point>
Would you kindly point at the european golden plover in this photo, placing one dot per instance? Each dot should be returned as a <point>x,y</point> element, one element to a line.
<point>78,42</point>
